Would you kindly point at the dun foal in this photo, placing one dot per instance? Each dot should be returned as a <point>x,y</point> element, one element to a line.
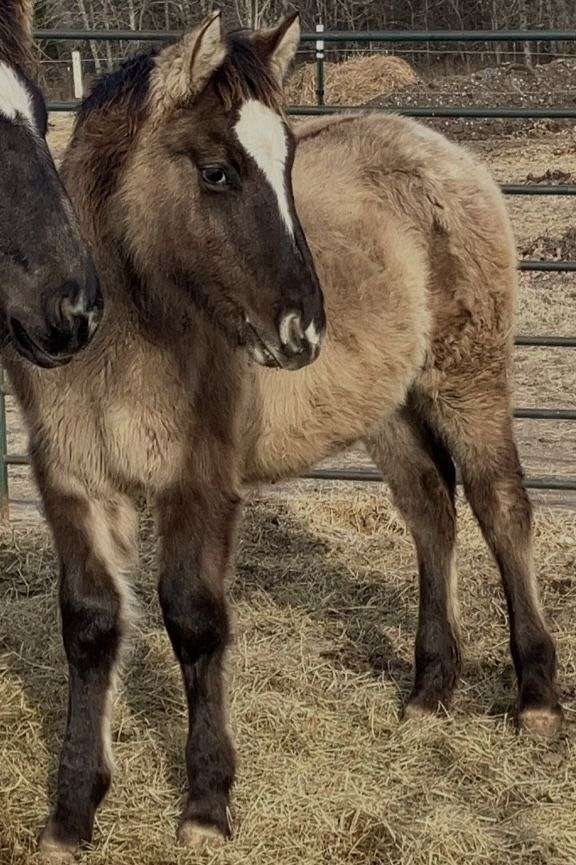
<point>49,296</point>
<point>197,199</point>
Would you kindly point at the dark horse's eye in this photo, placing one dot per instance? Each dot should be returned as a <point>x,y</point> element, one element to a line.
<point>215,176</point>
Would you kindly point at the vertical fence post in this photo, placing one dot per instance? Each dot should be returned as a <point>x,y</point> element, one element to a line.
<point>77,75</point>
<point>4,507</point>
<point>319,67</point>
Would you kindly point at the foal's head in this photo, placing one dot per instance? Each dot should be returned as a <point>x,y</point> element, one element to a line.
<point>207,192</point>
<point>49,296</point>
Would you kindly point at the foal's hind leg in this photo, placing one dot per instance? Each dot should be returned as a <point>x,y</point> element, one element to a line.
<point>197,532</point>
<point>480,437</point>
<point>94,541</point>
<point>421,476</point>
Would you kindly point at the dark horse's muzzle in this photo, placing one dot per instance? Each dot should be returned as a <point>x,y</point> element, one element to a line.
<point>71,317</point>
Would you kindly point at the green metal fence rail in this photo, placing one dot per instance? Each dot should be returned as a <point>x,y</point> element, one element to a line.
<point>337,36</point>
<point>319,40</point>
<point>478,113</point>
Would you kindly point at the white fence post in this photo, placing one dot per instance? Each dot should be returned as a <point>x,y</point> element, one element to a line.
<point>77,75</point>
<point>320,66</point>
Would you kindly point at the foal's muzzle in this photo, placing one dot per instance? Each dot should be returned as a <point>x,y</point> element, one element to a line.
<point>72,315</point>
<point>295,345</point>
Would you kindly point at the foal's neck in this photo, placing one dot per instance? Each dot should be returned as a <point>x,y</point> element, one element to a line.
<point>154,311</point>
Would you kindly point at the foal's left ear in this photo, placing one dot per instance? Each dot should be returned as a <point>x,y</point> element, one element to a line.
<point>280,44</point>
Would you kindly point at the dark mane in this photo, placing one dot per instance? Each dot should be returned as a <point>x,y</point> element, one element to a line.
<point>128,84</point>
<point>243,75</point>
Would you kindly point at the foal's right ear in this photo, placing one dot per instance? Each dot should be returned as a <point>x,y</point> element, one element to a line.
<point>182,70</point>
<point>279,45</point>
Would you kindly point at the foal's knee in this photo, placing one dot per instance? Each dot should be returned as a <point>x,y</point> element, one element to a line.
<point>91,624</point>
<point>196,619</point>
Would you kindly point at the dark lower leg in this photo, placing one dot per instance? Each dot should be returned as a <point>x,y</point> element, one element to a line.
<point>421,476</point>
<point>437,655</point>
<point>92,628</point>
<point>197,538</point>
<point>504,512</point>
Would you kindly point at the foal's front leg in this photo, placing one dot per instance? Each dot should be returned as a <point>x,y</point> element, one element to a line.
<point>92,540</point>
<point>197,531</point>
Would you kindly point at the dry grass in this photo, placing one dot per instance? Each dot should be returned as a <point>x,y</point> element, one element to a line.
<point>325,609</point>
<point>352,82</point>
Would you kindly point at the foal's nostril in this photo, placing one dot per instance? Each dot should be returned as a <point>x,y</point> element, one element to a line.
<point>292,334</point>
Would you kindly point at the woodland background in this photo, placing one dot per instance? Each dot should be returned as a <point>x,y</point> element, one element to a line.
<point>334,14</point>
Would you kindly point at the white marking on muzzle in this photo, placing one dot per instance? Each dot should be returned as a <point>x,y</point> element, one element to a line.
<point>15,98</point>
<point>77,308</point>
<point>312,334</point>
<point>261,133</point>
<point>291,332</point>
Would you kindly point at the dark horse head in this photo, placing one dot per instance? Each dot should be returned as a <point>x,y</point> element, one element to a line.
<point>206,190</point>
<point>49,297</point>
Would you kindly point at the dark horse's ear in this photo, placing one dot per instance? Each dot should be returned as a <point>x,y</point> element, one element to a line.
<point>279,44</point>
<point>183,69</point>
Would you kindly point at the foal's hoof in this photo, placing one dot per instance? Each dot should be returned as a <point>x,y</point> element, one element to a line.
<point>191,833</point>
<point>414,711</point>
<point>425,705</point>
<point>541,721</point>
<point>54,852</point>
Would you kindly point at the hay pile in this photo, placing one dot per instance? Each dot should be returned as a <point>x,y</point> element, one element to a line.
<point>325,609</point>
<point>352,82</point>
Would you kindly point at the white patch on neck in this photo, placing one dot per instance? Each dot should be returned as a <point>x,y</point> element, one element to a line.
<point>15,99</point>
<point>261,133</point>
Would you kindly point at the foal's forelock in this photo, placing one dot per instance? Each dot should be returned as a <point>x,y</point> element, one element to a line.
<point>262,135</point>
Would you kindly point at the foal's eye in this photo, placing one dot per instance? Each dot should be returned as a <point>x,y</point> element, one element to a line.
<point>215,176</point>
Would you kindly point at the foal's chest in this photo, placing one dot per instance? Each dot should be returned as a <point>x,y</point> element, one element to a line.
<point>144,440</point>
<point>123,426</point>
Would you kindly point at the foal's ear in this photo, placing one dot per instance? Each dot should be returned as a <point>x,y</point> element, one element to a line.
<point>280,44</point>
<point>203,51</point>
<point>184,69</point>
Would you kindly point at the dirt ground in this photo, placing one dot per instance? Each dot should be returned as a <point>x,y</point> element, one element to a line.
<point>325,607</point>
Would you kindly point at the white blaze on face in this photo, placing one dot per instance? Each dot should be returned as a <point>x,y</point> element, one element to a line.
<point>261,133</point>
<point>15,98</point>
